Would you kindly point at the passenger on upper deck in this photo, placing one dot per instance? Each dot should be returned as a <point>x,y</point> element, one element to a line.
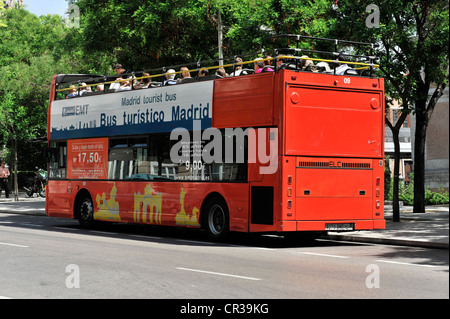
<point>118,68</point>
<point>170,78</point>
<point>258,65</point>
<point>72,92</point>
<point>238,69</point>
<point>143,83</point>
<point>267,64</point>
<point>345,69</point>
<point>185,75</point>
<point>220,72</point>
<point>203,73</point>
<point>85,88</point>
<point>285,62</point>
<point>306,63</point>
<point>126,85</point>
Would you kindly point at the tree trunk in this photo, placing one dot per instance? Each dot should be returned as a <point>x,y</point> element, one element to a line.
<point>419,159</point>
<point>16,187</point>
<point>395,199</point>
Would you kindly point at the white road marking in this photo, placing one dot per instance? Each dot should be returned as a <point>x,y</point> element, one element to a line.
<point>14,245</point>
<point>218,273</point>
<point>325,255</point>
<point>403,263</point>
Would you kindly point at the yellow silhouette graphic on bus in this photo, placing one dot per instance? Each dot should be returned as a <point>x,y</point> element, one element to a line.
<point>107,209</point>
<point>151,200</point>
<point>182,217</point>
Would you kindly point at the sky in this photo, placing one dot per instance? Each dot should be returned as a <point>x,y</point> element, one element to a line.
<point>44,7</point>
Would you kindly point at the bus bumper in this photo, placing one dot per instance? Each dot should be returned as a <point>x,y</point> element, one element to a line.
<point>341,225</point>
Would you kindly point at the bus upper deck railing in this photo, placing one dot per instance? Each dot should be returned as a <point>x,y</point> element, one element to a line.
<point>289,57</point>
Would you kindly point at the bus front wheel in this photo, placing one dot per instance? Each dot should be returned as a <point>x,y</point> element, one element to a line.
<point>216,221</point>
<point>85,211</point>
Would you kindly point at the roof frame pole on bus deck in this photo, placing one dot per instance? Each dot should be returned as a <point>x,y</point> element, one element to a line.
<point>220,36</point>
<point>335,55</point>
<point>371,60</point>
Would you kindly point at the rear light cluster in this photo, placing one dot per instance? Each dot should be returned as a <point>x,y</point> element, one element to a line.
<point>378,194</point>
<point>289,194</point>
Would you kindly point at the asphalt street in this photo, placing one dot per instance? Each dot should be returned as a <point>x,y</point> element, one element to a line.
<point>53,258</point>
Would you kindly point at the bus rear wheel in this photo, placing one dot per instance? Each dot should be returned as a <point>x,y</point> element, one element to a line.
<point>216,221</point>
<point>85,211</point>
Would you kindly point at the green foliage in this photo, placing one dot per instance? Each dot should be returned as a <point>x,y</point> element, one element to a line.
<point>406,194</point>
<point>32,51</point>
<point>148,34</point>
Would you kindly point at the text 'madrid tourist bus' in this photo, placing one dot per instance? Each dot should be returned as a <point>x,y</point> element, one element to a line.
<point>290,143</point>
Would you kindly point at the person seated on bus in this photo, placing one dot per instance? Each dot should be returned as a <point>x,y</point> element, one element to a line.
<point>126,85</point>
<point>220,72</point>
<point>258,65</point>
<point>286,62</point>
<point>267,64</point>
<point>143,83</point>
<point>306,63</point>
<point>323,67</point>
<point>73,92</point>
<point>85,89</point>
<point>238,69</point>
<point>345,69</point>
<point>203,73</point>
<point>100,88</point>
<point>170,78</point>
<point>184,75</point>
<point>119,70</point>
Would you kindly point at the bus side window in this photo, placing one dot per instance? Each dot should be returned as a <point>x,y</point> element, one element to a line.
<point>128,159</point>
<point>57,160</point>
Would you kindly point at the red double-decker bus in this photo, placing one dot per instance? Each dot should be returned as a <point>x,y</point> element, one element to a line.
<point>294,147</point>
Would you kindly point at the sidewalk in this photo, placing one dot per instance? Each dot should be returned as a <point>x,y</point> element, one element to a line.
<point>429,230</point>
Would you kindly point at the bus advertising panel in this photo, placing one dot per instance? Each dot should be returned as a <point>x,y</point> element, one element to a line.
<point>87,159</point>
<point>145,111</point>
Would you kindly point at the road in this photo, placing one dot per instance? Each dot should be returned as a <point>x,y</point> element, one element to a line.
<point>42,257</point>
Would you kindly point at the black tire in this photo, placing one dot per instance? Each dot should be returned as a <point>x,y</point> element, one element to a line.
<point>85,211</point>
<point>216,218</point>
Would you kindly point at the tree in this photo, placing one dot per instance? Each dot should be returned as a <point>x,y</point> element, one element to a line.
<point>148,34</point>
<point>413,38</point>
<point>14,124</point>
<point>32,50</point>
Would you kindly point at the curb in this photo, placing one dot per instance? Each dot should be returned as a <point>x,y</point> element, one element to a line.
<point>389,241</point>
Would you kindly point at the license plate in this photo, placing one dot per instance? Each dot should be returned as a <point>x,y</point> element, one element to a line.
<point>341,226</point>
